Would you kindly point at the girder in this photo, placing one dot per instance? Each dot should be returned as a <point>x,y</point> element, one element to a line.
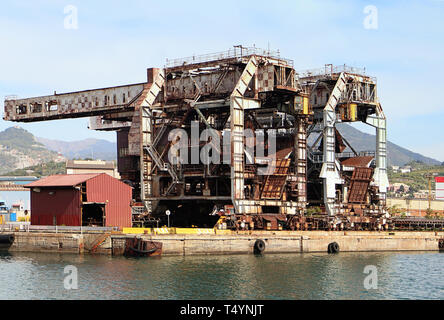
<point>72,105</point>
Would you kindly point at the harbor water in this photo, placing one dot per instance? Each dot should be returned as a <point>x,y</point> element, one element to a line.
<point>394,275</point>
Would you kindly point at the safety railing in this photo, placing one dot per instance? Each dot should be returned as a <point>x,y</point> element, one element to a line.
<point>358,154</point>
<point>236,52</point>
<point>328,70</point>
<point>27,227</point>
<point>11,97</point>
<point>138,210</point>
<point>315,157</point>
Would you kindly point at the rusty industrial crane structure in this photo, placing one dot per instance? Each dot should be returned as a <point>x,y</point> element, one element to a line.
<point>240,91</point>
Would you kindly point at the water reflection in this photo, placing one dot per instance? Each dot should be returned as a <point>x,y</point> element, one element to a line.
<point>271,276</point>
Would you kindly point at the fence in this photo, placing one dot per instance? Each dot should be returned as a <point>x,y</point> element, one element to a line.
<point>27,227</point>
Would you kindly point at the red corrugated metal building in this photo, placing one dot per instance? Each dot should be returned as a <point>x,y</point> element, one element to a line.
<point>81,199</point>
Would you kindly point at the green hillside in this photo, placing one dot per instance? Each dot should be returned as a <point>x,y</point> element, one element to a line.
<point>416,179</point>
<point>41,170</point>
<point>20,149</point>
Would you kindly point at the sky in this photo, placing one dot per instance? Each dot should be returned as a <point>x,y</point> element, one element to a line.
<point>399,42</point>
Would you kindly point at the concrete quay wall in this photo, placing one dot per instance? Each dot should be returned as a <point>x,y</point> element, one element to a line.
<point>300,242</point>
<point>234,243</point>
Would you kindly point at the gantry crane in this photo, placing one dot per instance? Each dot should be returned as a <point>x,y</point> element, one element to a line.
<point>248,97</point>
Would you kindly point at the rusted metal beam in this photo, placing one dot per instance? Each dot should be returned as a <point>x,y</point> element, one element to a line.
<point>72,105</point>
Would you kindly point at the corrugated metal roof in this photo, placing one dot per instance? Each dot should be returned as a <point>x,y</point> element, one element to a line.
<point>62,180</point>
<point>357,162</point>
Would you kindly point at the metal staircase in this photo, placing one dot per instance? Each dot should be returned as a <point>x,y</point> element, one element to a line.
<point>163,166</point>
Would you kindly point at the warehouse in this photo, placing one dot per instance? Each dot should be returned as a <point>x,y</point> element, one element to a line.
<point>81,200</point>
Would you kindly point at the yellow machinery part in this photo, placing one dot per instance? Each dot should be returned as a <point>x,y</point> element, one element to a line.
<point>353,109</point>
<point>305,109</point>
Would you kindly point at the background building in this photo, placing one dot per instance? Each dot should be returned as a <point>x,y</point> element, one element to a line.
<point>91,166</point>
<point>439,188</point>
<point>13,192</point>
<point>416,207</point>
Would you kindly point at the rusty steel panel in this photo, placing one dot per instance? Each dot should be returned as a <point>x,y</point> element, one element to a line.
<point>359,185</point>
<point>274,184</point>
<point>357,161</point>
<point>100,124</point>
<point>125,162</point>
<point>218,82</point>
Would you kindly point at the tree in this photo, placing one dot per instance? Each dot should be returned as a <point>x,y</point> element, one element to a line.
<point>431,214</point>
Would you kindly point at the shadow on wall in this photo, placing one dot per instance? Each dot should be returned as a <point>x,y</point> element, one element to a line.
<point>6,241</point>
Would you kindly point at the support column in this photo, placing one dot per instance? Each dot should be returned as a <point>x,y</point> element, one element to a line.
<point>380,178</point>
<point>237,148</point>
<point>329,171</point>
<point>146,163</point>
<point>157,78</point>
<point>301,158</point>
<point>237,134</point>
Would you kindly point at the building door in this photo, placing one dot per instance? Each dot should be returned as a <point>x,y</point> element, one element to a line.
<point>93,215</point>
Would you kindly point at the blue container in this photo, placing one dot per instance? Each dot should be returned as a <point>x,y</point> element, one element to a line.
<point>13,217</point>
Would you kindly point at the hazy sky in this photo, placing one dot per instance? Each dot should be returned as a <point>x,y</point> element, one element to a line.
<point>117,40</point>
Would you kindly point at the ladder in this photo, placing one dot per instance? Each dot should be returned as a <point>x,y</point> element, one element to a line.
<point>101,239</point>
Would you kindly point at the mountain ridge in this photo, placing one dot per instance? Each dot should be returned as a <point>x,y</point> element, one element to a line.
<point>86,148</point>
<point>396,155</point>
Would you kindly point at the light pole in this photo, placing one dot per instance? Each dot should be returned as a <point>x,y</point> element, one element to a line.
<point>168,212</point>
<point>429,177</point>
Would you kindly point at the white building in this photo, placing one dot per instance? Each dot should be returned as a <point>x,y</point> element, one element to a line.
<point>439,188</point>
